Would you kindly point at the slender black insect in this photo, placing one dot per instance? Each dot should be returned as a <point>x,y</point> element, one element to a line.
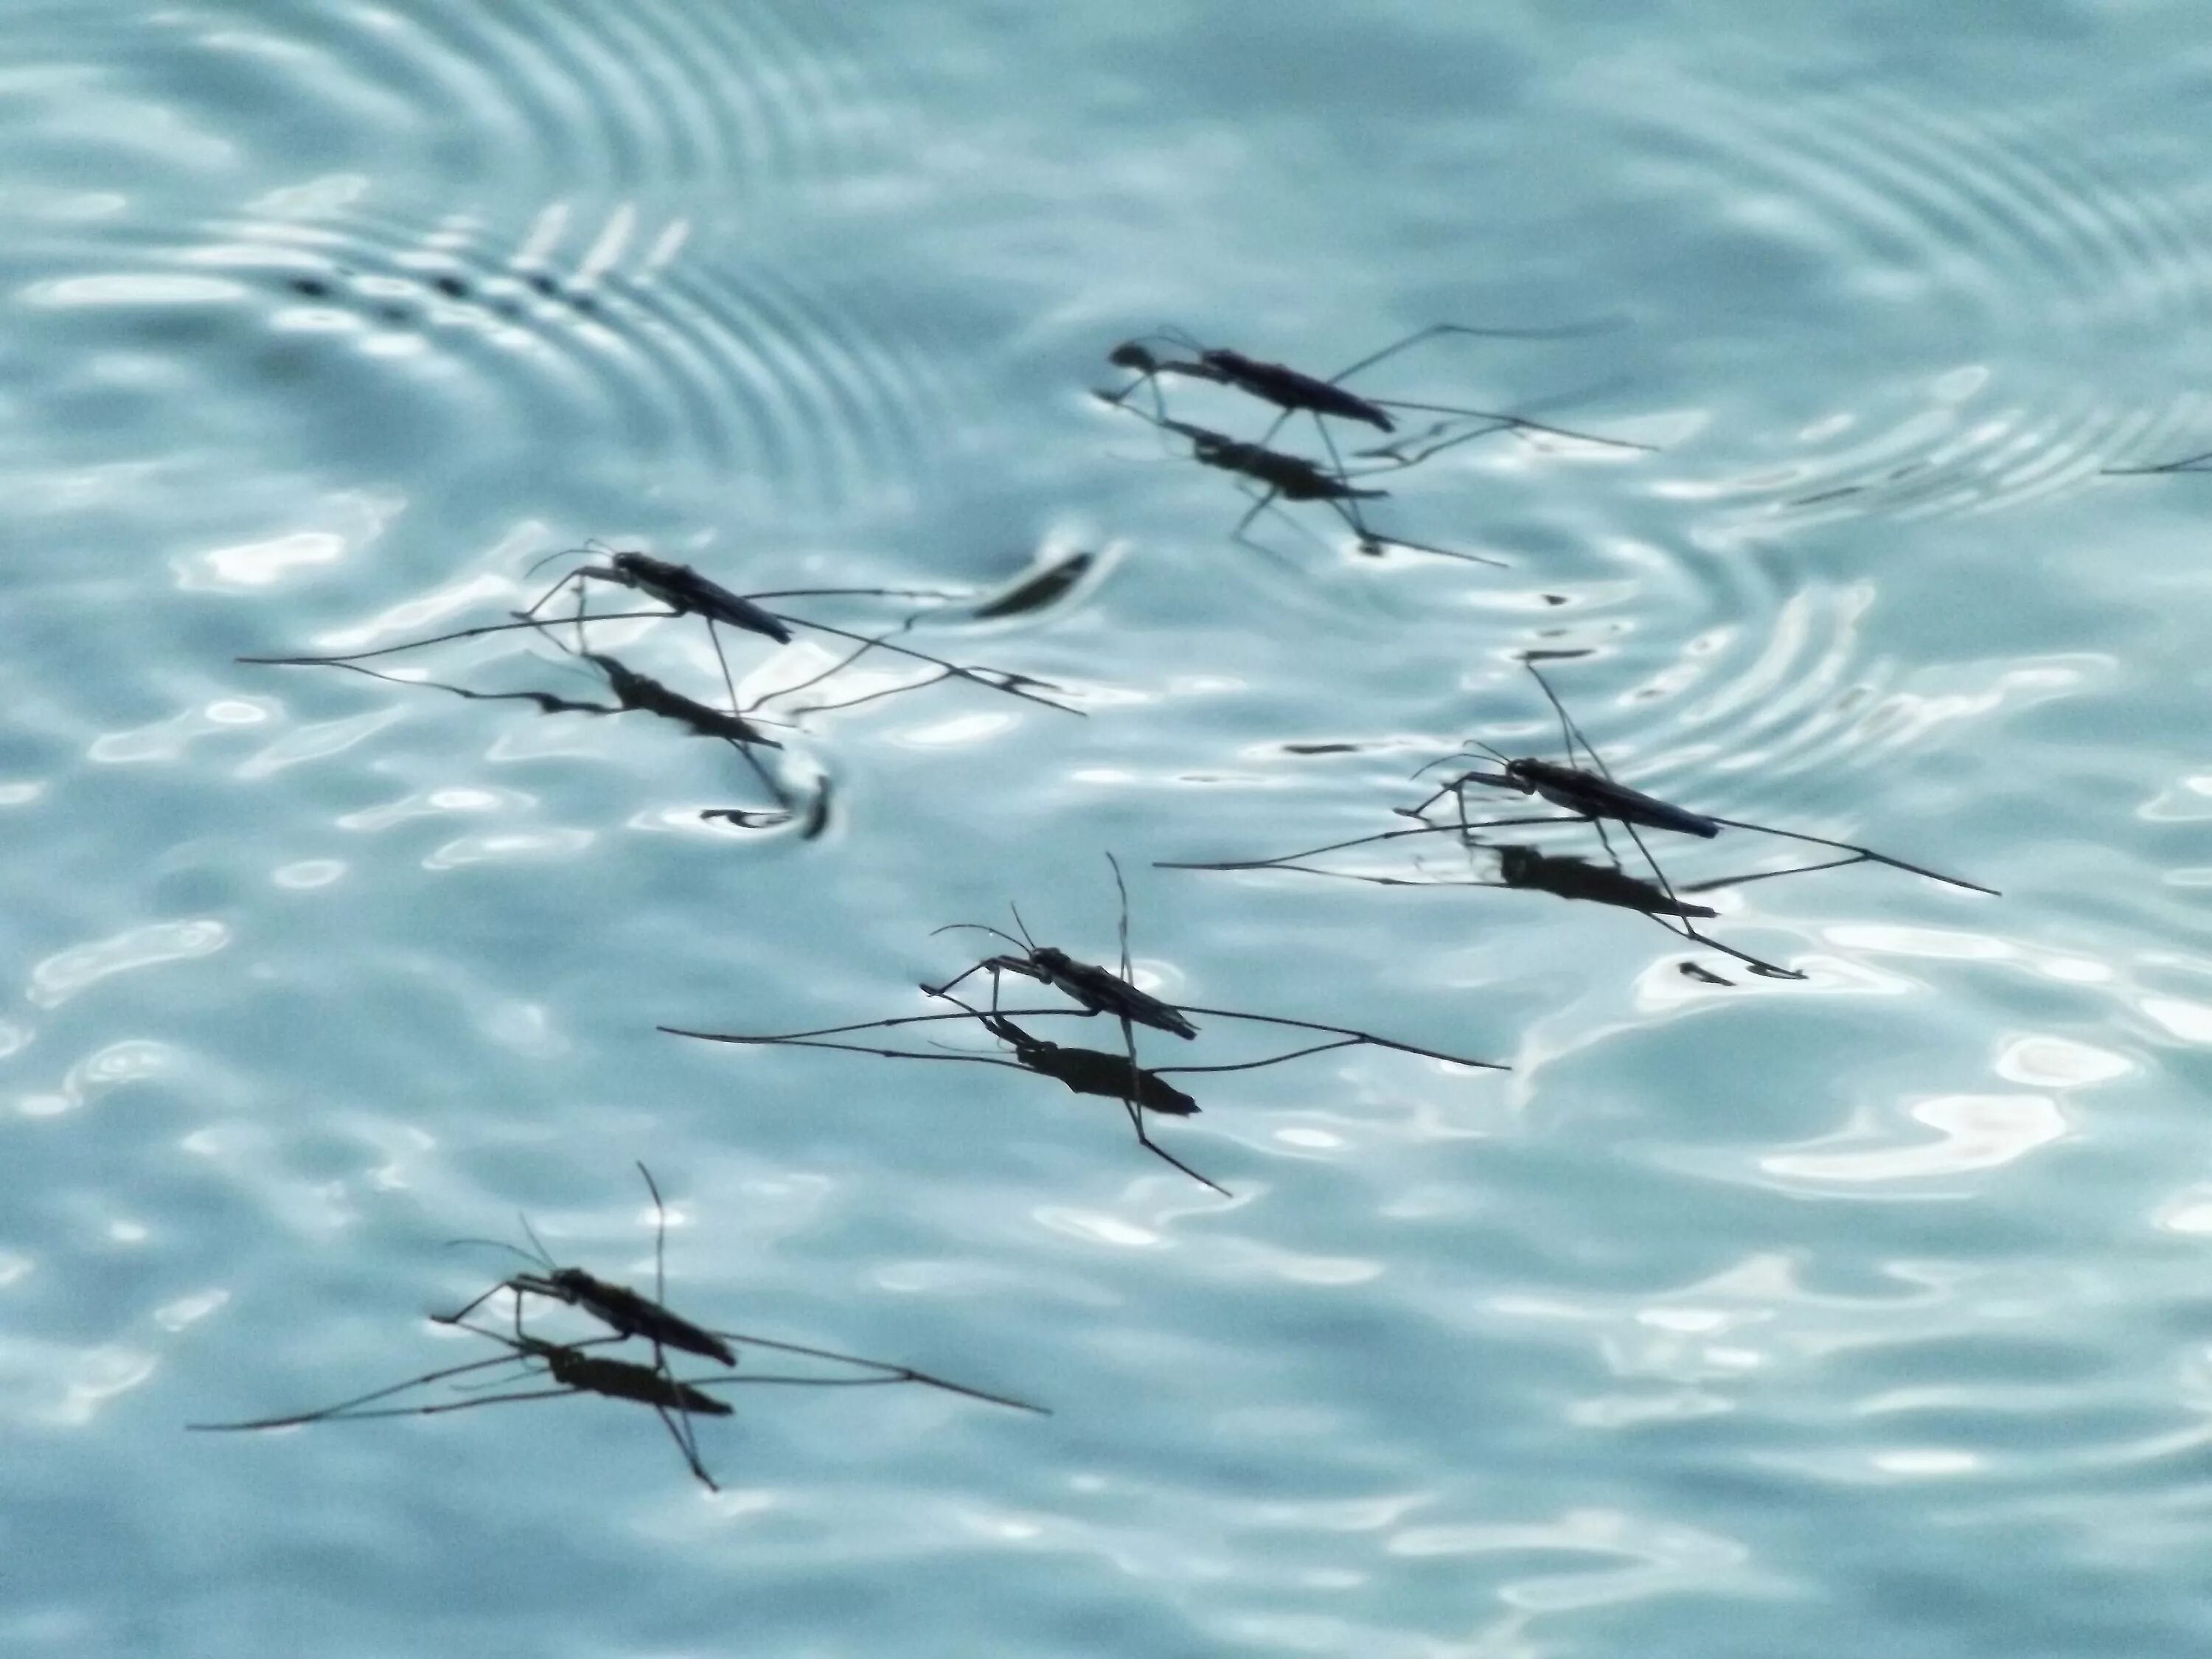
<point>635,692</point>
<point>675,1400</point>
<point>1593,793</point>
<point>1294,478</point>
<point>574,1371</point>
<point>1341,1036</point>
<point>1520,867</point>
<point>688,593</point>
<point>1588,795</point>
<point>678,586</point>
<point>571,1369</point>
<point>1094,1071</point>
<point>1294,392</point>
<point>642,694</point>
<point>684,592</point>
<point>629,1313</point>
<point>1532,869</point>
<point>617,1306</point>
<point>623,1311</point>
<point>1099,990</point>
<point>1084,1071</point>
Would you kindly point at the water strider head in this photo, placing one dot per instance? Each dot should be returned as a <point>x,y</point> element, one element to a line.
<point>643,570</point>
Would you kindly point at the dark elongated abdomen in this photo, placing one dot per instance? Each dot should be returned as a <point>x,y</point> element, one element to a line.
<point>1601,798</point>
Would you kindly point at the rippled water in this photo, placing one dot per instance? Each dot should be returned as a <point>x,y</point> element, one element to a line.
<point>1865,1313</point>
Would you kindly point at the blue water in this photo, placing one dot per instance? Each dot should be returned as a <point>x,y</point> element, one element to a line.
<point>1862,1313</point>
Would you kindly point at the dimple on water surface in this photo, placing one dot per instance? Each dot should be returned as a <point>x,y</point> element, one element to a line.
<point>1859,1313</point>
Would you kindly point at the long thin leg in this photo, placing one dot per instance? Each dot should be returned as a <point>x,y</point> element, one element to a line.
<point>857,1049</point>
<point>791,1381</point>
<point>1573,734</point>
<point>574,577</point>
<point>1159,398</point>
<point>1262,503</point>
<point>2186,463</point>
<point>660,1236</point>
<point>714,638</point>
<point>835,668</point>
<point>1437,442</point>
<point>459,1314</point>
<point>1368,1037</point>
<point>1136,1112</point>
<point>857,593</point>
<point>776,791</point>
<point>1148,378</point>
<point>545,702</point>
<point>1867,853</point>
<point>1689,929</point>
<point>1272,1060</point>
<point>867,697</point>
<point>894,1372</point>
<point>1371,878</point>
<point>1455,786</point>
<point>939,990</point>
<point>1328,440</point>
<point>1686,930</point>
<point>1569,731</point>
<point>1360,841</point>
<point>438,1410</point>
<point>1162,1152</point>
<point>1605,840</point>
<point>686,1441</point>
<point>441,638</point>
<point>1719,882</point>
<point>1010,684</point>
<point>686,1436</point>
<point>1122,887</point>
<point>349,1406</point>
<point>1502,422</point>
<point>1410,452</point>
<point>1568,332</point>
<point>1371,540</point>
<point>867,1024</point>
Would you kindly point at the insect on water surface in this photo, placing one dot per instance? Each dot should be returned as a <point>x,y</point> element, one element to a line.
<point>1585,788</point>
<point>1294,478</point>
<point>619,1307</point>
<point>1084,1071</point>
<point>580,1367</point>
<point>1099,990</point>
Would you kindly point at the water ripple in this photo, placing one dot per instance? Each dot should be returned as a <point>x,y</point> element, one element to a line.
<point>1973,227</point>
<point>68,973</point>
<point>611,332</point>
<point>762,95</point>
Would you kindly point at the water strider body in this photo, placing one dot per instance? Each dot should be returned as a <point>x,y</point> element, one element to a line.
<point>1293,392</point>
<point>1090,1071</point>
<point>620,1309</point>
<point>1595,796</point>
<point>1568,877</point>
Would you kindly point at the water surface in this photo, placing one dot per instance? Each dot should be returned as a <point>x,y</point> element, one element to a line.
<point>1858,1314</point>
